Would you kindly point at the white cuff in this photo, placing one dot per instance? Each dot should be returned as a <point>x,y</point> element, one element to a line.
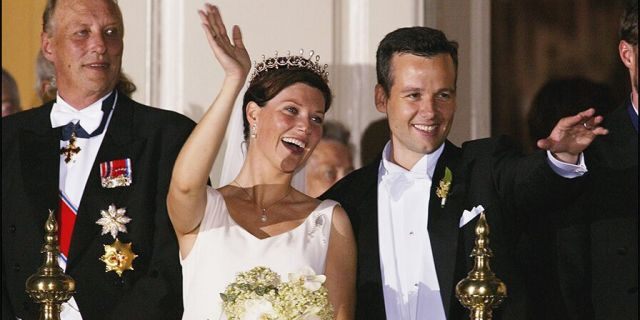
<point>567,170</point>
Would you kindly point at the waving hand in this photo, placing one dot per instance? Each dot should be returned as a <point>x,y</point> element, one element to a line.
<point>572,135</point>
<point>233,57</point>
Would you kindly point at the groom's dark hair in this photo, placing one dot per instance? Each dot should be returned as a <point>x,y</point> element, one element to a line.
<point>419,41</point>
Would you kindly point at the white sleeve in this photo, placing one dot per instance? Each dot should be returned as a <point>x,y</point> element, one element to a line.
<point>567,170</point>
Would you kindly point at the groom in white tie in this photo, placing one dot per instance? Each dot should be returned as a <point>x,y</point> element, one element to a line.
<point>102,162</point>
<point>414,208</point>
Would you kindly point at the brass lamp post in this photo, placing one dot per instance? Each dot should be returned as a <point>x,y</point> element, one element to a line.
<point>50,286</point>
<point>481,290</point>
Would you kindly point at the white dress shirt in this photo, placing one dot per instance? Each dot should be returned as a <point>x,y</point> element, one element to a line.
<point>74,175</point>
<point>409,279</point>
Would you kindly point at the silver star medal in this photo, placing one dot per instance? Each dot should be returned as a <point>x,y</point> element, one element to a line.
<point>113,220</point>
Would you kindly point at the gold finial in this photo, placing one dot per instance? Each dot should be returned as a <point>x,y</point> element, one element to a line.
<point>481,290</point>
<point>50,286</point>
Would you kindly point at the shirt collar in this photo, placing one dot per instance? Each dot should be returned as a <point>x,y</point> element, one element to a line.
<point>425,166</point>
<point>94,110</point>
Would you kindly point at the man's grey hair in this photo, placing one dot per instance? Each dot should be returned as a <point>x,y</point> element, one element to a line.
<point>45,71</point>
<point>50,8</point>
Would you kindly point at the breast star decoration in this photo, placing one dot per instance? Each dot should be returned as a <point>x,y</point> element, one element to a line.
<point>443,188</point>
<point>118,257</point>
<point>113,220</point>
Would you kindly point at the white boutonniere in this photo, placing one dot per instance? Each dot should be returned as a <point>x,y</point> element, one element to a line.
<point>445,185</point>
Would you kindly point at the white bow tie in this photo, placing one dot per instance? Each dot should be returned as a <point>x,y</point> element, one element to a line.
<point>398,182</point>
<point>89,118</point>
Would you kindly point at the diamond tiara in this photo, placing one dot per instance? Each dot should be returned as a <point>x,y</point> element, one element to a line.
<point>290,61</point>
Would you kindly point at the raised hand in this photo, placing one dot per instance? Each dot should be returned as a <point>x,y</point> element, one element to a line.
<point>233,57</point>
<point>572,135</point>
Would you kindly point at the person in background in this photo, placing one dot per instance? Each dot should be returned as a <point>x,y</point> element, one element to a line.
<point>597,260</point>
<point>541,248</point>
<point>330,161</point>
<point>103,163</point>
<point>10,96</point>
<point>414,211</point>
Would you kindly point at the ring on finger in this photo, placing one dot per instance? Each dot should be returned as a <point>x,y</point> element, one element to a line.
<point>587,126</point>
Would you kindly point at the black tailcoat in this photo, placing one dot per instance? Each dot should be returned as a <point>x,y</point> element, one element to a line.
<point>151,138</point>
<point>487,172</point>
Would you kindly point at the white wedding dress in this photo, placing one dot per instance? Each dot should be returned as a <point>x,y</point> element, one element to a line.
<point>223,249</point>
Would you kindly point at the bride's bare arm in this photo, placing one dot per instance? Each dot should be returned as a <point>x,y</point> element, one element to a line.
<point>341,266</point>
<point>186,200</point>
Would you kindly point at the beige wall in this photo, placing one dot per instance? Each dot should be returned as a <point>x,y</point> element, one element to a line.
<point>21,26</point>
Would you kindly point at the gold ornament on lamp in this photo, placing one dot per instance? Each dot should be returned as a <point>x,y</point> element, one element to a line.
<point>481,290</point>
<point>50,286</point>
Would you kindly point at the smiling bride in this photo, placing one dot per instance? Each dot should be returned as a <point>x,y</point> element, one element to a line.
<point>260,227</point>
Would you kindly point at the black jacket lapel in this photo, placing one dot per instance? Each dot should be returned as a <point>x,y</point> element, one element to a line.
<point>369,281</point>
<point>368,228</point>
<point>444,223</point>
<point>40,162</point>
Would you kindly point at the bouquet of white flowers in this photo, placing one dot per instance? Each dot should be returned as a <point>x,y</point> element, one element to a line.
<point>260,294</point>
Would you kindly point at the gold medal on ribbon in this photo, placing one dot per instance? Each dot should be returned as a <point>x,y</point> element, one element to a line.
<point>70,149</point>
<point>118,257</point>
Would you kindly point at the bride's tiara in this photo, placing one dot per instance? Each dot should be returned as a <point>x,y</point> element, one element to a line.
<point>297,61</point>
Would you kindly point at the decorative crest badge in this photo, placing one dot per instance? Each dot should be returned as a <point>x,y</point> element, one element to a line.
<point>113,220</point>
<point>116,173</point>
<point>445,185</point>
<point>118,257</point>
<point>71,149</point>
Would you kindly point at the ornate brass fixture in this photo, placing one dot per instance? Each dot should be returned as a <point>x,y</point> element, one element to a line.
<point>50,286</point>
<point>481,290</point>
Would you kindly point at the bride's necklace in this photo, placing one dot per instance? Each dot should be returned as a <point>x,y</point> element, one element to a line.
<point>263,210</point>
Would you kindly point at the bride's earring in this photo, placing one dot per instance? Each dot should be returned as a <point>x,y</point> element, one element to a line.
<point>254,131</point>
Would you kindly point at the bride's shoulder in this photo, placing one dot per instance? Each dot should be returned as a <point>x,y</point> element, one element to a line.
<point>339,217</point>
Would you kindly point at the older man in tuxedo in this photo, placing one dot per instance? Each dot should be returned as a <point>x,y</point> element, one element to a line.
<point>103,162</point>
<point>413,211</point>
